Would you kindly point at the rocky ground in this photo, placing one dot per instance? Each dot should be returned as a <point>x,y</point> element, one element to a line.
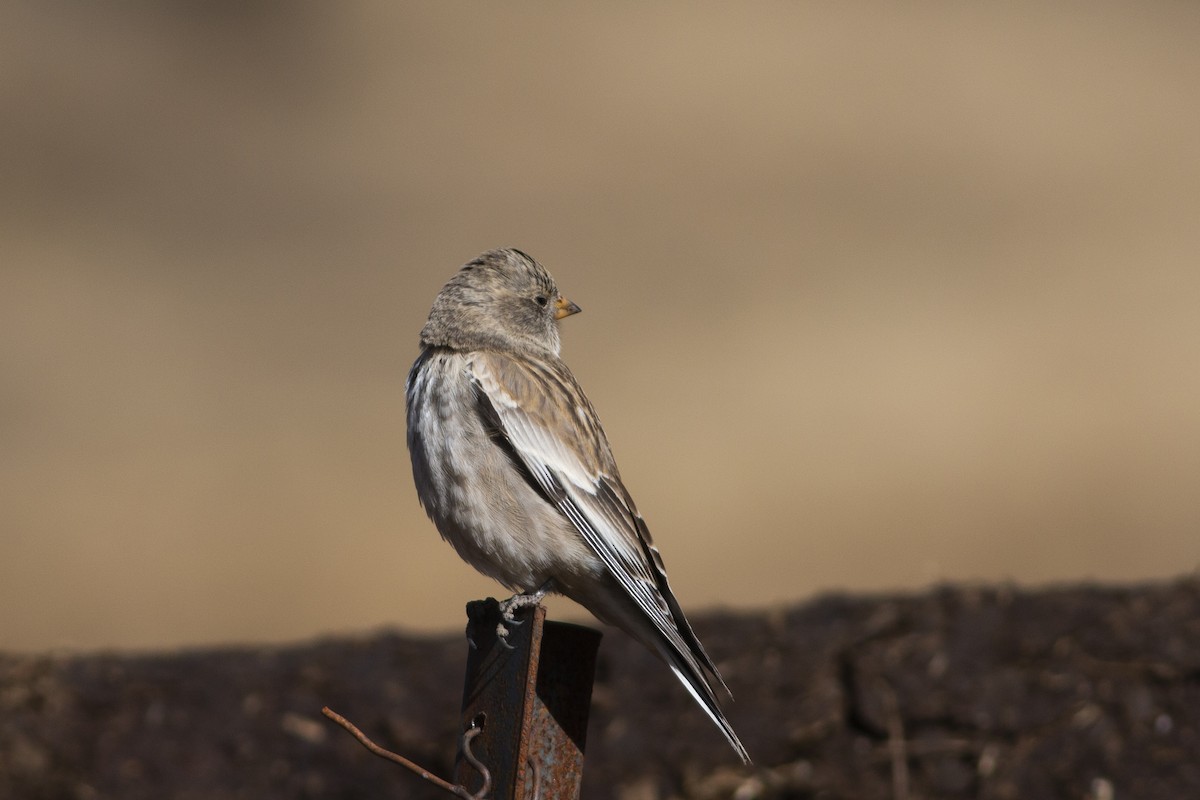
<point>1075,692</point>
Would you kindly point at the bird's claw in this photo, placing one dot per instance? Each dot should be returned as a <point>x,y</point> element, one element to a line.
<point>470,641</point>
<point>509,608</point>
<point>502,637</point>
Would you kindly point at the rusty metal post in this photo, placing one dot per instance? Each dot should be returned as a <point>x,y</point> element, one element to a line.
<point>531,703</point>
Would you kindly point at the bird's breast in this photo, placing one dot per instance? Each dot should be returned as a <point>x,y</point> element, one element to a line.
<point>479,499</point>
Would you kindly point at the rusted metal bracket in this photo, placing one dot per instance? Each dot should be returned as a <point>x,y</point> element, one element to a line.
<point>529,695</point>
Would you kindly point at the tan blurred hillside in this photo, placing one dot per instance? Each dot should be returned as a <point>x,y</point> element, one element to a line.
<point>872,297</point>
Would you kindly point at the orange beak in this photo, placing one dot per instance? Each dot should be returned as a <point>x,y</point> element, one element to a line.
<point>564,308</point>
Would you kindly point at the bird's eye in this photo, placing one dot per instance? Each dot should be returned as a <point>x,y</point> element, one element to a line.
<point>541,300</point>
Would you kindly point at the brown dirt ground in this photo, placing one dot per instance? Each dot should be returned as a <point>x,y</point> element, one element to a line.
<point>1073,692</point>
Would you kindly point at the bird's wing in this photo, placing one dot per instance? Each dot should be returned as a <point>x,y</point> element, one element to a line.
<point>542,417</point>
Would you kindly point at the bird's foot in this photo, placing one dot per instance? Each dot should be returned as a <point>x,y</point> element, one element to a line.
<point>512,605</point>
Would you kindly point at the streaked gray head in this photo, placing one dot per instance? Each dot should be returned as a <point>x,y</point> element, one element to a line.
<point>502,300</point>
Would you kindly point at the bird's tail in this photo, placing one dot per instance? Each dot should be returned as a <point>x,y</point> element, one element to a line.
<point>700,689</point>
<point>669,636</point>
<point>675,641</point>
<point>688,659</point>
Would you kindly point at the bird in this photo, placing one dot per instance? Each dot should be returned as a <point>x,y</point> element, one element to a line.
<point>514,469</point>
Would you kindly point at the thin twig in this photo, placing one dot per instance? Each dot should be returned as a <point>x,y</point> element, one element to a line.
<point>456,789</point>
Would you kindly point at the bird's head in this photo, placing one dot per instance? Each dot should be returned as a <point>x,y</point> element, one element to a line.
<point>502,300</point>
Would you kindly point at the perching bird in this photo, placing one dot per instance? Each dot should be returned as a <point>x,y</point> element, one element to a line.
<point>511,464</point>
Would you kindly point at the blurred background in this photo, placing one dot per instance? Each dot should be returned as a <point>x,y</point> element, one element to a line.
<point>874,297</point>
